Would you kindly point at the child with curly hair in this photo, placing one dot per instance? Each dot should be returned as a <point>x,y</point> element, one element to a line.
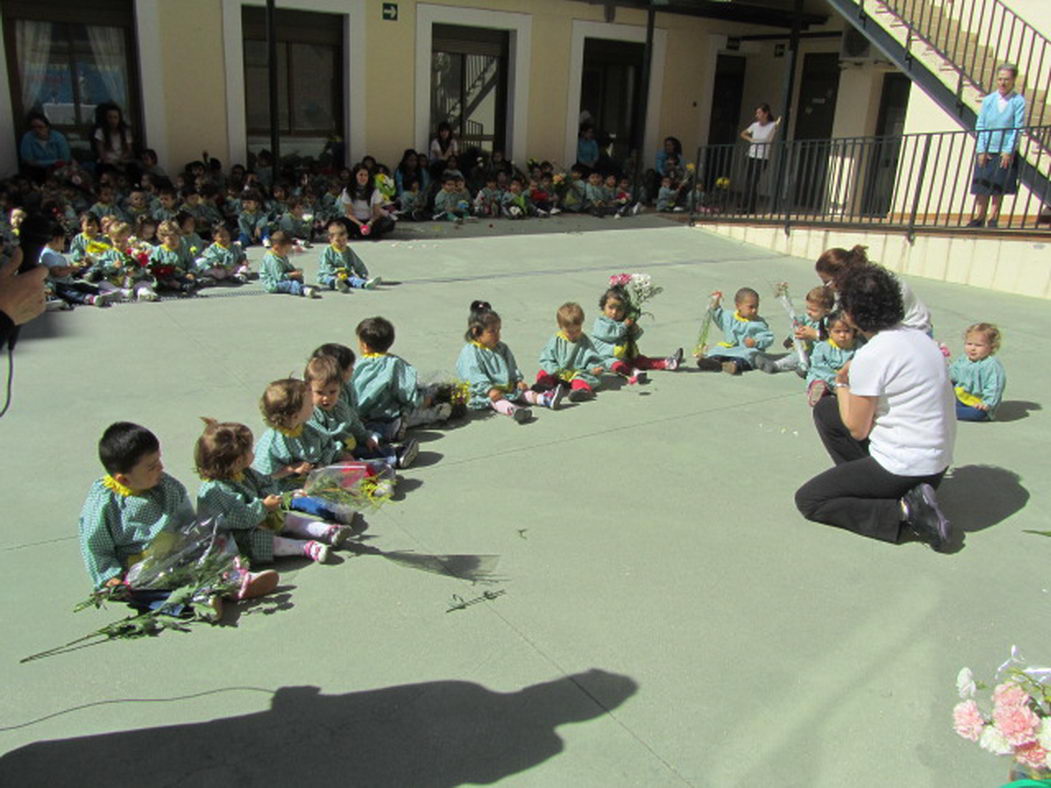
<point>977,376</point>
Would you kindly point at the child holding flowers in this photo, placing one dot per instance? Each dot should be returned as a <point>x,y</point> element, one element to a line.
<point>569,356</point>
<point>812,327</point>
<point>978,376</point>
<point>171,263</point>
<point>340,267</point>
<point>125,268</point>
<point>616,330</point>
<point>250,503</point>
<point>130,506</point>
<point>491,372</point>
<point>88,245</point>
<point>745,331</point>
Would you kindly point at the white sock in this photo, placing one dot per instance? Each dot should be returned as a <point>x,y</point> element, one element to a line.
<point>306,527</point>
<point>532,397</point>
<point>287,547</point>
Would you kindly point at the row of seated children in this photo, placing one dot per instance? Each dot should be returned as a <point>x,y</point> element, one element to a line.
<point>517,198</point>
<point>828,341</point>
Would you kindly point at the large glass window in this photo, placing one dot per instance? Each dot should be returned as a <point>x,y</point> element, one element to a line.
<point>65,58</point>
<point>310,79</point>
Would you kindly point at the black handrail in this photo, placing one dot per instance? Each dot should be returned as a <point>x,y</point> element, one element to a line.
<point>906,182</point>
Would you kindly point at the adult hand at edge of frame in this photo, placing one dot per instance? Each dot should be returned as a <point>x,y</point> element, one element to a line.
<point>21,295</point>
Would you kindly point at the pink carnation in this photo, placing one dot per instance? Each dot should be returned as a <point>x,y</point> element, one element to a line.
<point>619,279</point>
<point>967,720</point>
<point>1009,694</point>
<point>1017,723</point>
<point>1032,755</point>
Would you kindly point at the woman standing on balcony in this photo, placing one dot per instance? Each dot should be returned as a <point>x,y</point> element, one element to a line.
<point>760,134</point>
<point>996,170</point>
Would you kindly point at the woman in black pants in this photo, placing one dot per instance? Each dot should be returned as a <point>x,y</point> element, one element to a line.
<point>889,428</point>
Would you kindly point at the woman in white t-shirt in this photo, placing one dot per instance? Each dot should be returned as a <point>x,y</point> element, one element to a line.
<point>363,211</point>
<point>114,144</point>
<point>890,428</point>
<point>759,134</point>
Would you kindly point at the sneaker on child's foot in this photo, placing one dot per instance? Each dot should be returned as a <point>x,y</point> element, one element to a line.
<point>765,363</point>
<point>730,368</point>
<point>338,535</point>
<point>636,209</point>
<point>815,391</point>
<point>341,512</point>
<point>672,362</point>
<point>706,364</point>
<point>521,415</point>
<point>342,286</point>
<point>556,211</point>
<point>206,281</point>
<point>384,488</point>
<point>580,395</point>
<point>311,292</point>
<point>638,377</point>
<point>552,399</point>
<point>148,295</point>
<point>57,305</point>
<point>408,452</point>
<point>257,584</point>
<point>241,278</point>
<point>370,284</point>
<point>316,551</point>
<point>443,411</point>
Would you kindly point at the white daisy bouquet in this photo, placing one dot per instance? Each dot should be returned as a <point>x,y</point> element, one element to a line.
<point>1018,722</point>
<point>639,289</point>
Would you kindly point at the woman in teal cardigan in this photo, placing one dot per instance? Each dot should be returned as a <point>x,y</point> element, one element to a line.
<point>996,170</point>
<point>42,147</point>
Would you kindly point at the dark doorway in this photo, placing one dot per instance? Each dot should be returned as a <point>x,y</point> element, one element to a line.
<point>814,119</point>
<point>727,88</point>
<point>610,86</point>
<point>469,84</point>
<point>890,124</point>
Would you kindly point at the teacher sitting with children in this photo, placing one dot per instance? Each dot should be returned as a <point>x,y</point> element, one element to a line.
<point>890,427</point>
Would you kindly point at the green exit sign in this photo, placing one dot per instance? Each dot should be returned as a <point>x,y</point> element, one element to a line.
<point>390,12</point>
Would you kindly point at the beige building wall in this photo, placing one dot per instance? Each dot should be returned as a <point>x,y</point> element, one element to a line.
<point>194,93</point>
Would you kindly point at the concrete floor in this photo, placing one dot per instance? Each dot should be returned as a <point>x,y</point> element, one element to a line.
<point>663,614</point>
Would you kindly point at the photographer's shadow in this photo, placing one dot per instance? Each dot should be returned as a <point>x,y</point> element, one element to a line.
<point>436,734</point>
<point>1015,409</point>
<point>976,497</point>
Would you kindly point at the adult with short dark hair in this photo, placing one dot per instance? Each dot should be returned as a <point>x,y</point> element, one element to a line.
<point>996,170</point>
<point>889,429</point>
<point>42,147</point>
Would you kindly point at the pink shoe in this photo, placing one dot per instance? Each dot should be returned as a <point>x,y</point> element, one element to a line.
<point>257,584</point>
<point>316,551</point>
<point>815,391</point>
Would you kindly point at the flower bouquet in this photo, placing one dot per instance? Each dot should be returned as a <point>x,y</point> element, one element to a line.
<point>365,484</point>
<point>1018,723</point>
<point>639,289</point>
<point>783,298</point>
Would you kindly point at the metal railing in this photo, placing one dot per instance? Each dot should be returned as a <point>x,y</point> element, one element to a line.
<point>905,182</point>
<point>977,36</point>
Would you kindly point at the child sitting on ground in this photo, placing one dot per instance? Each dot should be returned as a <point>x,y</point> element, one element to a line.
<point>334,416</point>
<point>253,224</point>
<point>490,370</point>
<point>249,503</point>
<point>615,337</point>
<point>280,276</point>
<point>487,201</point>
<point>573,195</point>
<point>122,270</point>
<point>340,267</point>
<point>291,448</point>
<point>89,244</point>
<point>667,195</point>
<point>389,401</point>
<point>746,333</point>
<point>813,327</point>
<point>569,357</point>
<point>60,274</point>
<point>829,356</point>
<point>191,239</point>
<point>978,376</point>
<point>515,203</point>
<point>170,263</point>
<point>294,223</point>
<point>128,507</point>
<point>222,260</point>
<point>451,203</point>
<point>596,197</point>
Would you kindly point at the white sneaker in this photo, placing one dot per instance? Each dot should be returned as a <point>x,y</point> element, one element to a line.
<point>311,292</point>
<point>242,278</point>
<point>553,398</point>
<point>370,284</point>
<point>57,305</point>
<point>556,211</point>
<point>148,295</point>
<point>636,209</point>
<point>316,551</point>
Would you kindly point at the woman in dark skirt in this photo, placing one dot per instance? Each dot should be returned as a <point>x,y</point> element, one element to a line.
<point>996,169</point>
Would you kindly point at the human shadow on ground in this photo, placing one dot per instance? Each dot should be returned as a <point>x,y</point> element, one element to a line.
<point>407,485</point>
<point>1015,409</point>
<point>976,497</point>
<point>429,735</point>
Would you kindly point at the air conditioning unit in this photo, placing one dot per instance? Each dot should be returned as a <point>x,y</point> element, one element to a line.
<point>855,48</point>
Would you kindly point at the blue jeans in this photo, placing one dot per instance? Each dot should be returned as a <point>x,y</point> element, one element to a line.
<point>331,281</point>
<point>290,286</point>
<point>318,507</point>
<point>967,413</point>
<point>246,239</point>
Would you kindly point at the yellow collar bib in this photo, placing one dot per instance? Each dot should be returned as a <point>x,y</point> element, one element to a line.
<point>120,489</point>
<point>295,432</point>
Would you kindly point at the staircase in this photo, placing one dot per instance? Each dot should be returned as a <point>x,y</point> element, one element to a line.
<point>952,49</point>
